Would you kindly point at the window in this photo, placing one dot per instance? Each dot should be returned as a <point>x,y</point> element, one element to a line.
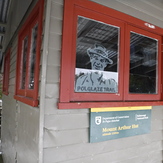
<point>6,73</point>
<point>29,43</point>
<point>143,62</point>
<point>108,58</point>
<point>97,57</point>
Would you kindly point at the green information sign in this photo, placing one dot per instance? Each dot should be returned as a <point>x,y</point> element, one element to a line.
<point>114,123</point>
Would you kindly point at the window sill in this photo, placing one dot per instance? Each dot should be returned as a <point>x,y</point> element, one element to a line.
<point>5,93</point>
<point>81,105</point>
<point>27,100</point>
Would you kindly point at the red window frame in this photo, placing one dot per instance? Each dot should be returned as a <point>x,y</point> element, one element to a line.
<point>26,95</point>
<point>70,99</point>
<point>6,73</point>
<point>140,97</point>
<point>91,96</point>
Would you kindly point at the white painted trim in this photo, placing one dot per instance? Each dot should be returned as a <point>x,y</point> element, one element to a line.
<point>43,77</point>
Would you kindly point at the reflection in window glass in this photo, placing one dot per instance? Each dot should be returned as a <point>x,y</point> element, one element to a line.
<point>32,58</point>
<point>96,57</point>
<point>24,62</point>
<point>143,64</point>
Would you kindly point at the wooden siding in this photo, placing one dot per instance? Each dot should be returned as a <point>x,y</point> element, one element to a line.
<point>20,122</point>
<point>67,140</point>
<point>66,132</point>
<point>147,10</point>
<point>16,12</point>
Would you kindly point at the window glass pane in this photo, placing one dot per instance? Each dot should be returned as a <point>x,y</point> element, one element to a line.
<point>143,64</point>
<point>24,61</point>
<point>32,58</point>
<point>96,57</point>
